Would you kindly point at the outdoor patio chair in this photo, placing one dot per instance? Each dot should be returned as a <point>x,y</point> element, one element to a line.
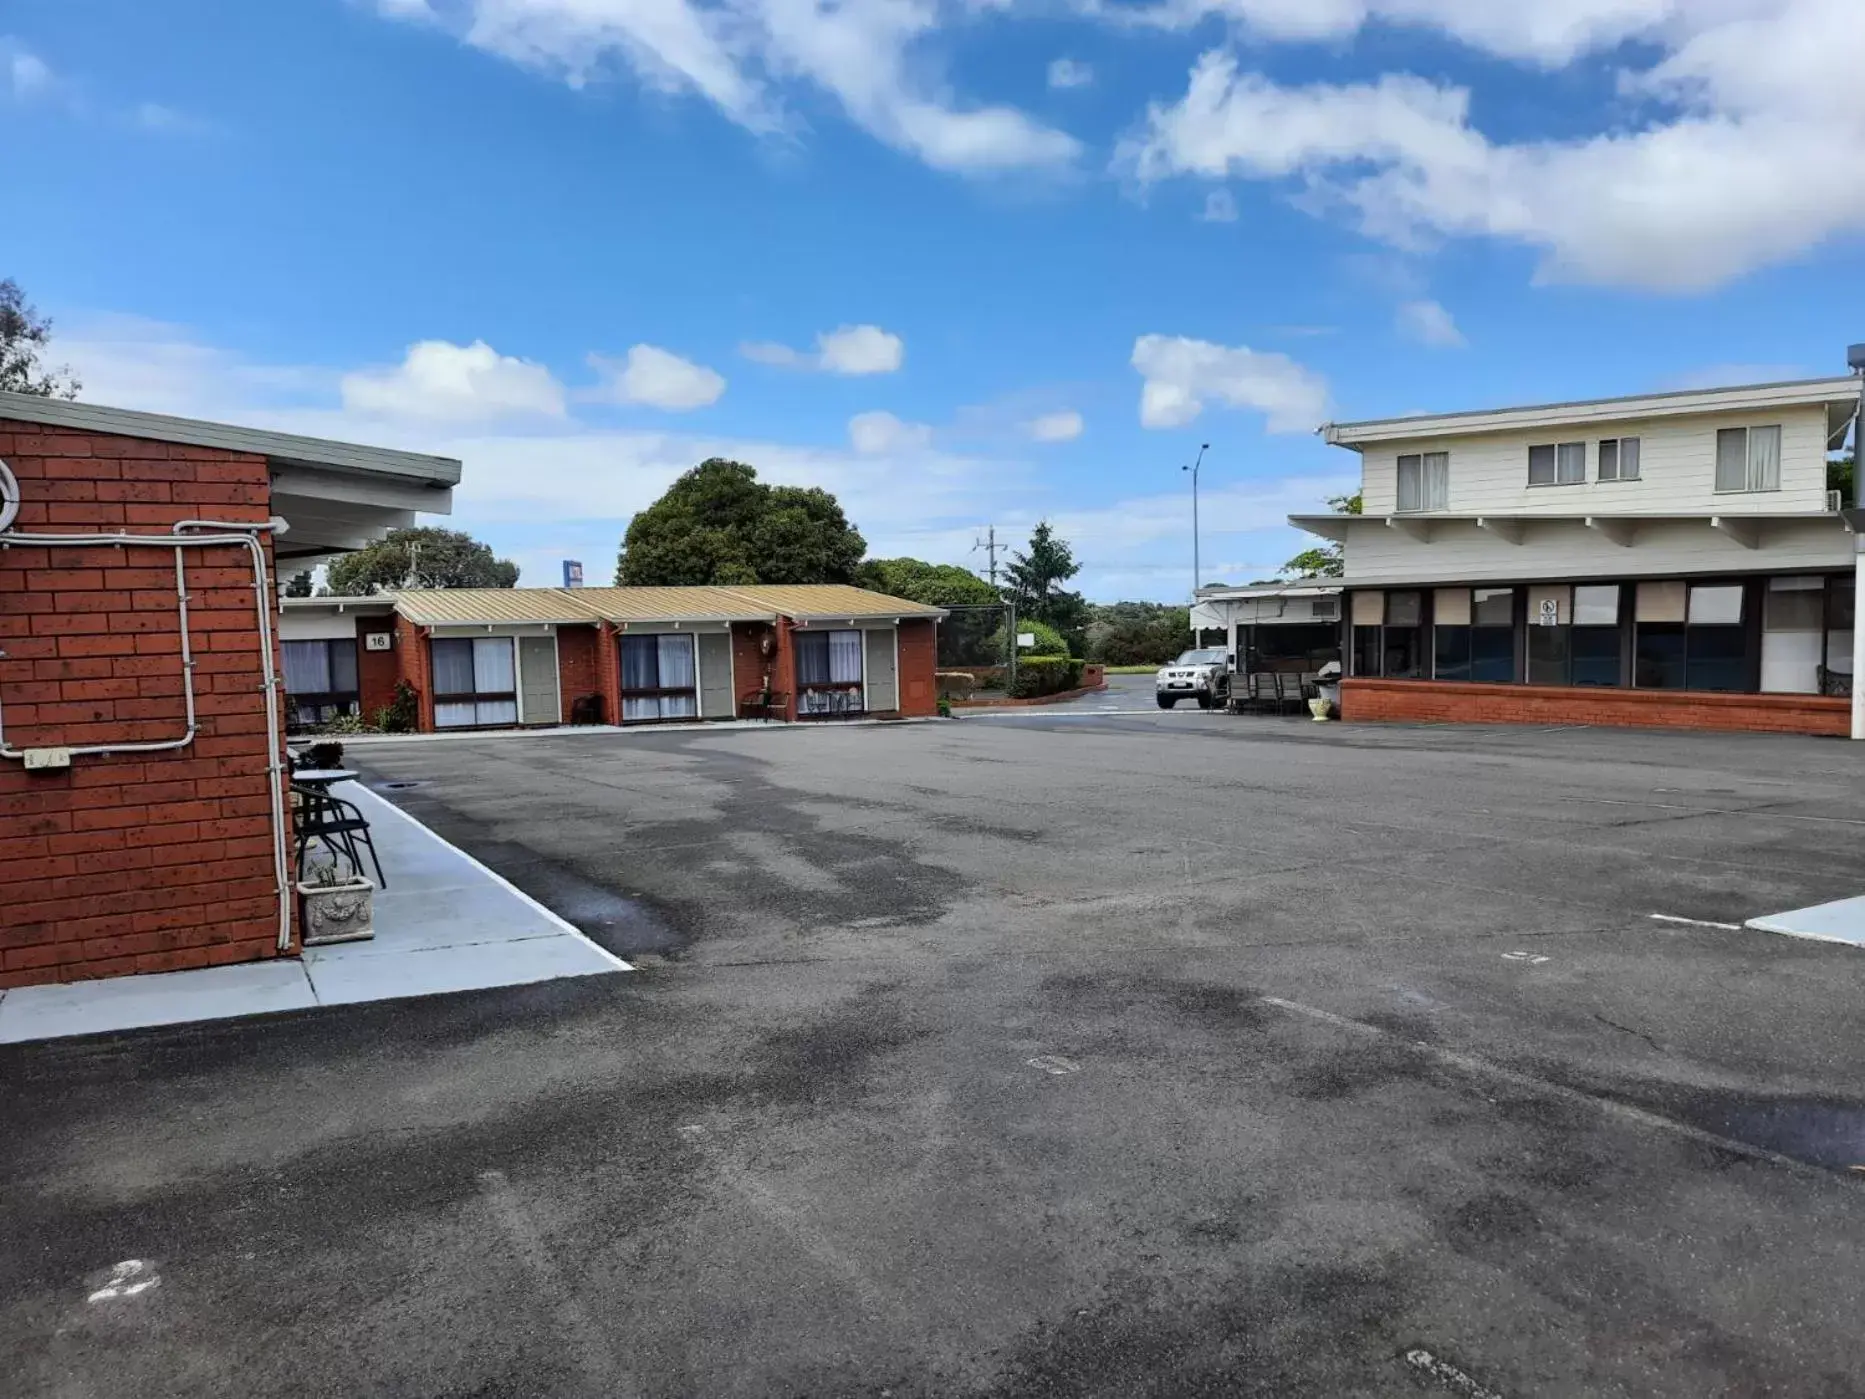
<point>1289,699</point>
<point>340,825</point>
<point>767,705</point>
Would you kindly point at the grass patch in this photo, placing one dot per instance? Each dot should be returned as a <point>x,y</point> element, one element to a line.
<point>1131,669</point>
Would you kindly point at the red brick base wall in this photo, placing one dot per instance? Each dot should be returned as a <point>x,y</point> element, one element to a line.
<point>131,862</point>
<point>919,658</point>
<point>411,664</point>
<point>1445,702</point>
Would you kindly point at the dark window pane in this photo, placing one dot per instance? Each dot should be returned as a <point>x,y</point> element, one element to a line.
<point>1493,607</point>
<point>1547,655</point>
<point>1405,609</point>
<point>1404,651</point>
<point>1541,466</point>
<point>1492,655</point>
<point>1595,653</point>
<point>1451,658</point>
<point>1718,659</point>
<point>1660,656</point>
<point>812,653</point>
<point>343,667</point>
<point>1845,603</point>
<point>453,666</point>
<point>1312,644</point>
<point>1366,650</point>
<point>641,666</point>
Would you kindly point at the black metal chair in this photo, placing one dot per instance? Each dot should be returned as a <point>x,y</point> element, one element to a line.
<point>340,825</point>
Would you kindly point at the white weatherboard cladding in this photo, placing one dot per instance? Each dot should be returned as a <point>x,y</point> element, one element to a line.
<point>1458,550</point>
<point>317,626</point>
<point>1677,468</point>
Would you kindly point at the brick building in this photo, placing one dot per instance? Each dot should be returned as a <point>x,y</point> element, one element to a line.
<point>504,657</point>
<point>143,821</point>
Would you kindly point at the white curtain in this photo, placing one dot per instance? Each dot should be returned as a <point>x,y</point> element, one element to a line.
<point>307,668</point>
<point>1764,459</point>
<point>1437,481</point>
<point>844,658</point>
<point>1411,484</point>
<point>660,663</point>
<point>456,716</point>
<point>453,669</point>
<point>493,671</point>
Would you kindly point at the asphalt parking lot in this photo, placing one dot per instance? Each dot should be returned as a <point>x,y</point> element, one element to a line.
<point>1073,1052</point>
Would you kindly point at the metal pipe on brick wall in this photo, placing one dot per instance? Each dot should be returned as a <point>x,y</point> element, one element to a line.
<point>233,534</point>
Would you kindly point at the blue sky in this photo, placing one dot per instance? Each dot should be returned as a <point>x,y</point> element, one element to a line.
<point>964,264</point>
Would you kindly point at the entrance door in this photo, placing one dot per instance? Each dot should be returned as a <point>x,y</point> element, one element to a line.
<point>537,680</point>
<point>883,671</point>
<point>715,676</point>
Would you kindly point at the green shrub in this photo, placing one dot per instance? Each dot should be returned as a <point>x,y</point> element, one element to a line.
<point>1049,641</point>
<point>404,715</point>
<point>1045,675</point>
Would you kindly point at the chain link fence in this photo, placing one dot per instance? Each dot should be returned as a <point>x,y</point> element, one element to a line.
<point>979,641</point>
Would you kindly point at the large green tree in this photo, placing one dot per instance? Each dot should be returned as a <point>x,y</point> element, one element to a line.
<point>936,584</point>
<point>1137,633</point>
<point>1325,560</point>
<point>719,524</point>
<point>420,558</point>
<point>1034,583</point>
<point>24,334</point>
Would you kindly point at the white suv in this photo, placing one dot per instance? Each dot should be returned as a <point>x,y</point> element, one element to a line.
<point>1194,675</point>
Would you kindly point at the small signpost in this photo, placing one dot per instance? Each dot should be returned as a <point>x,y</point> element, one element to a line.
<point>1550,612</point>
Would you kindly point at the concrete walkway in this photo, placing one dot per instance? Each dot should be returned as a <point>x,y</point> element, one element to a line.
<point>445,923</point>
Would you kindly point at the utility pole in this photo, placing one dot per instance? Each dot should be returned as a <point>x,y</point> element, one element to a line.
<point>989,545</point>
<point>1197,564</point>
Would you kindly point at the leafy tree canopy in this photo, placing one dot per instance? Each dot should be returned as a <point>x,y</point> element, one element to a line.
<point>1137,633</point>
<point>24,334</point>
<point>1325,560</point>
<point>718,524</point>
<point>421,558</point>
<point>936,584</point>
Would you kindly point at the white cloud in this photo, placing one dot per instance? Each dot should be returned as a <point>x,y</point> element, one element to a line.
<point>849,349</point>
<point>1428,323</point>
<point>1182,375</point>
<point>27,75</point>
<point>1054,427</point>
<point>154,116</point>
<point>1756,96</point>
<point>657,378</point>
<point>743,55</point>
<point>873,434</point>
<point>442,382</point>
<point>1220,206</point>
<point>1069,72</point>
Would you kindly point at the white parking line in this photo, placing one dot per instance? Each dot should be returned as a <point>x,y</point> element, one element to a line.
<point>1697,922</point>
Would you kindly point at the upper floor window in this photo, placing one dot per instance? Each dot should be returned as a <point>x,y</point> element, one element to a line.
<point>1618,459</point>
<point>1748,459</point>
<point>1425,482</point>
<point>1562,464</point>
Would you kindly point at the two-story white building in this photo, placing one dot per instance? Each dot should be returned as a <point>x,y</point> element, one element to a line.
<point>1671,559</point>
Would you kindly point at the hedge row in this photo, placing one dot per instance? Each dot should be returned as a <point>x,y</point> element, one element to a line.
<point>1045,675</point>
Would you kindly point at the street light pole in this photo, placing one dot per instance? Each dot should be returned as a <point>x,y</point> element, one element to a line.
<point>1197,563</point>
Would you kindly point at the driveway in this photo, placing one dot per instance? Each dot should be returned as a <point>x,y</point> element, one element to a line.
<point>1107,1055</point>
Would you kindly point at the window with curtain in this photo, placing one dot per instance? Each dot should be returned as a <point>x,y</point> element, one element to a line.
<point>829,672</point>
<point>1558,464</point>
<point>475,681</point>
<point>660,677</point>
<point>1618,459</point>
<point>1748,459</point>
<point>1404,641</point>
<point>320,681</point>
<point>1425,482</point>
<point>1595,648</point>
<point>1492,636</point>
<point>1716,641</point>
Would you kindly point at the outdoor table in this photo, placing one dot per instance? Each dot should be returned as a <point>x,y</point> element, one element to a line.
<point>321,778</point>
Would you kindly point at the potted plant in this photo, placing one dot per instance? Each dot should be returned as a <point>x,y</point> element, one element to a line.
<point>335,907</point>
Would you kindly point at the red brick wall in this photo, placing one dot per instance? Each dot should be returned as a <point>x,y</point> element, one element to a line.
<point>131,862</point>
<point>919,658</point>
<point>1436,701</point>
<point>609,673</point>
<point>577,673</point>
<point>376,671</point>
<point>411,664</point>
<point>749,665</point>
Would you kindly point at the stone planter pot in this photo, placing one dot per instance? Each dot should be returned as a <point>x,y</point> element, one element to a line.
<point>337,912</point>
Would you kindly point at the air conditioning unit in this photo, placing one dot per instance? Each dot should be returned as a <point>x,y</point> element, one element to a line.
<point>1326,609</point>
<point>1835,501</point>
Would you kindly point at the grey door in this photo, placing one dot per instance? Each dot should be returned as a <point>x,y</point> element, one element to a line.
<point>537,680</point>
<point>882,671</point>
<point>715,676</point>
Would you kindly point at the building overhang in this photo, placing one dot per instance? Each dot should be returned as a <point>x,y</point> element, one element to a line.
<point>1746,531</point>
<point>1840,397</point>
